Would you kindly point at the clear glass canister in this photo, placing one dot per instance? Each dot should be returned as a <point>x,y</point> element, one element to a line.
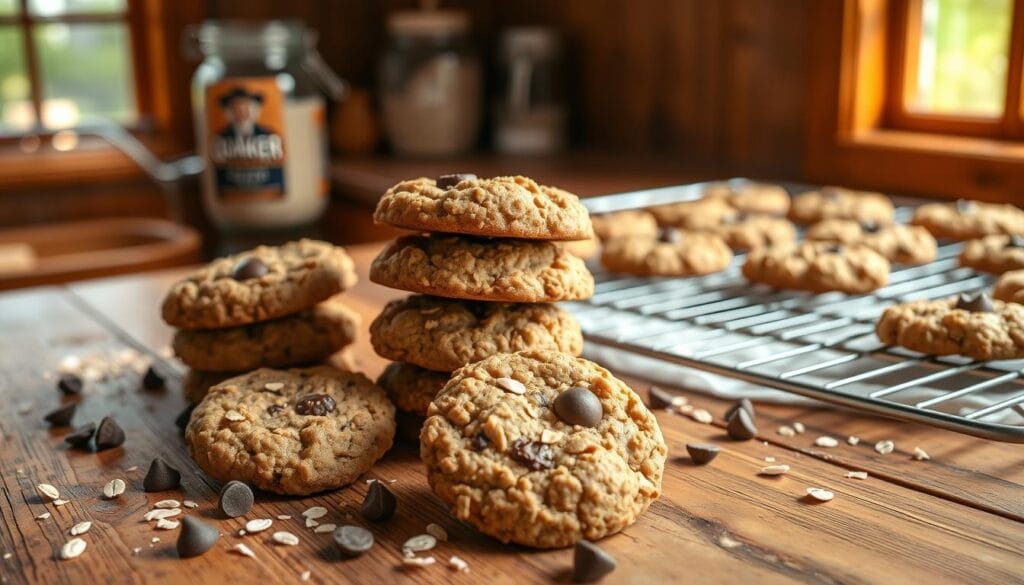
<point>259,122</point>
<point>430,79</point>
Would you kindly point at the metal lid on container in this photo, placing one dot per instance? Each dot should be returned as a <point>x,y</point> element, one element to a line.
<point>428,23</point>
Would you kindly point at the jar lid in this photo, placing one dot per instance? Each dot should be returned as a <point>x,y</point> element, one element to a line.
<point>533,41</point>
<point>428,23</point>
<point>247,37</point>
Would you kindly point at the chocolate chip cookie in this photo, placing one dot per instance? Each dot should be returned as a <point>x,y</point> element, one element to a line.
<point>700,214</point>
<point>673,253</point>
<point>969,325</point>
<point>841,203</point>
<point>258,285</point>
<point>483,269</point>
<point>446,334</point>
<point>297,432</point>
<point>542,449</point>
<point>632,222</point>
<point>196,383</point>
<point>818,267</point>
<point>964,219</point>
<point>511,207</point>
<point>583,249</point>
<point>301,338</point>
<point>410,387</point>
<point>754,198</point>
<point>1010,287</point>
<point>742,231</point>
<point>995,254</point>
<point>905,244</point>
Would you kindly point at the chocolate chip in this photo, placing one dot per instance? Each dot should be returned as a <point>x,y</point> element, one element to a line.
<point>152,380</point>
<point>1016,241</point>
<point>61,416</point>
<point>579,406</point>
<point>108,434</point>
<point>196,537</point>
<point>161,477</point>
<point>669,235</point>
<point>69,384</point>
<point>235,499</point>
<point>449,181</point>
<point>480,442</point>
<point>275,409</point>
<point>353,541</point>
<point>182,420</point>
<point>533,454</point>
<point>250,267</point>
<point>741,426</point>
<point>379,503</point>
<point>315,405</point>
<point>659,398</point>
<point>870,227</point>
<point>702,453</point>
<point>745,404</point>
<point>965,206</point>
<point>590,563</point>
<point>832,248</point>
<point>81,436</point>
<point>975,303</point>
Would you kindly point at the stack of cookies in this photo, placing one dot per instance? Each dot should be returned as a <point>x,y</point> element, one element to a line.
<point>486,275</point>
<point>267,307</point>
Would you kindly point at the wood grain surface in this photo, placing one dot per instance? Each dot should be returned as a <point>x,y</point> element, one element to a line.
<point>958,518</point>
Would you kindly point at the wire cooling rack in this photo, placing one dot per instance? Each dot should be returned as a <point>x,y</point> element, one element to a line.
<point>819,346</point>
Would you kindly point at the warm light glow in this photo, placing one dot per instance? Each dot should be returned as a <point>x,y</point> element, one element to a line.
<point>60,113</point>
<point>65,140</point>
<point>29,144</point>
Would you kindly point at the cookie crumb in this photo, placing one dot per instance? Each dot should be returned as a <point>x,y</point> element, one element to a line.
<point>885,447</point>
<point>920,454</point>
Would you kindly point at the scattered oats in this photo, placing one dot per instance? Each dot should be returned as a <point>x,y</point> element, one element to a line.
<point>155,539</point>
<point>774,469</point>
<point>274,386</point>
<point>136,550</point>
<point>243,550</point>
<point>190,504</point>
<point>392,481</point>
<point>258,525</point>
<point>418,561</point>
<point>511,385</point>
<point>702,416</point>
<point>305,575</point>
<point>457,564</point>
<point>786,431</point>
<point>315,512</point>
<point>325,528</point>
<point>857,474</point>
<point>161,513</point>
<point>81,528</point>
<point>165,524</point>
<point>826,441</point>
<point>437,531</point>
<point>769,460</point>
<point>234,416</point>
<point>72,548</point>
<point>48,491</point>
<point>285,538</point>
<point>132,468</point>
<point>60,502</point>
<point>419,543</point>
<point>852,440</point>
<point>799,427</point>
<point>8,555</point>
<point>167,504</point>
<point>920,454</point>
<point>310,523</point>
<point>727,541</point>
<point>684,409</point>
<point>885,447</point>
<point>114,488</point>
<point>43,516</point>
<point>550,437</point>
<point>283,517</point>
<point>822,495</point>
<point>242,532</point>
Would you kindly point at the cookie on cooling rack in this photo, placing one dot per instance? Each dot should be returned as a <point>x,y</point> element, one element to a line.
<point>818,267</point>
<point>672,253</point>
<point>995,254</point>
<point>904,244</point>
<point>756,198</point>
<point>965,219</point>
<point>841,203</point>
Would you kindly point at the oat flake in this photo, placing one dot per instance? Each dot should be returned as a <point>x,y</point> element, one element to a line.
<point>81,528</point>
<point>72,548</point>
<point>258,525</point>
<point>285,538</point>
<point>511,385</point>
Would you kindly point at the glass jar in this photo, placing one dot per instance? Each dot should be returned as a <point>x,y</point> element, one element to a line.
<point>430,84</point>
<point>529,103</point>
<point>259,120</point>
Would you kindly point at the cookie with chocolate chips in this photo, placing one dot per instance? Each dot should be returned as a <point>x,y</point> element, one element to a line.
<point>296,432</point>
<point>671,253</point>
<point>965,219</point>
<point>542,449</point>
<point>995,254</point>
<point>903,244</point>
<point>818,267</point>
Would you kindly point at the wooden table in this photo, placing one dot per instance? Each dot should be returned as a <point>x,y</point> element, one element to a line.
<point>958,518</point>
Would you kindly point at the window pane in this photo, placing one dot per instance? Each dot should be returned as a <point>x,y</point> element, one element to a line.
<point>86,73</point>
<point>16,113</point>
<point>55,7</point>
<point>961,58</point>
<point>8,7</point>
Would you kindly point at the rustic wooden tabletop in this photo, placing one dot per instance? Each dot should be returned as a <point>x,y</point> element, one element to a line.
<point>956,518</point>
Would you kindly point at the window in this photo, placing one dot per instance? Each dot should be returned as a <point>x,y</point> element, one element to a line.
<point>956,67</point>
<point>66,62</point>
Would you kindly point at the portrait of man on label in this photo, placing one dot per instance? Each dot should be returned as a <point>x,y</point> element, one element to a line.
<point>242,110</point>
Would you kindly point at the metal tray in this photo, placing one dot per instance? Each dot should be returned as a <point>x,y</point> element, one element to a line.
<point>819,346</point>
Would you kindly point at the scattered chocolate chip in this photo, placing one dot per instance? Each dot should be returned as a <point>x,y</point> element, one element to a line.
<point>590,563</point>
<point>975,303</point>
<point>745,404</point>
<point>379,503</point>
<point>870,227</point>
<point>741,426</point>
<point>81,436</point>
<point>275,409</point>
<point>61,416</point>
<point>579,406</point>
<point>196,537</point>
<point>69,384</point>
<point>965,206</point>
<point>108,434</point>
<point>533,454</point>
<point>659,398</point>
<point>182,420</point>
<point>669,235</point>
<point>480,442</point>
<point>449,181</point>
<point>353,541</point>
<point>161,477</point>
<point>702,453</point>
<point>250,267</point>
<point>1016,241</point>
<point>235,499</point>
<point>152,380</point>
<point>315,405</point>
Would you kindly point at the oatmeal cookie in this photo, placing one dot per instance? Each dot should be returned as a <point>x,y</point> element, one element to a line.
<point>904,244</point>
<point>632,222</point>
<point>755,198</point>
<point>700,214</point>
<point>818,267</point>
<point>965,219</point>
<point>742,231</point>
<point>841,203</point>
<point>674,253</point>
<point>1010,287</point>
<point>410,387</point>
